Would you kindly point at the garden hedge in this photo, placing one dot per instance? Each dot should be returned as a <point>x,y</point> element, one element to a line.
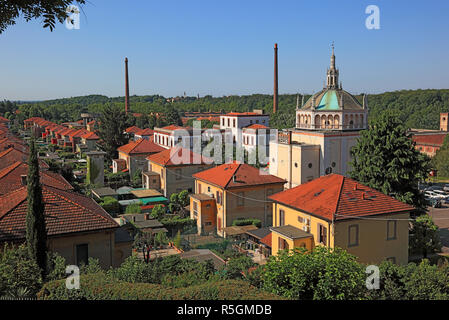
<point>102,287</point>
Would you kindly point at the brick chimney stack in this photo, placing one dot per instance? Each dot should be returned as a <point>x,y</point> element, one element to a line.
<point>126,87</point>
<point>275,93</point>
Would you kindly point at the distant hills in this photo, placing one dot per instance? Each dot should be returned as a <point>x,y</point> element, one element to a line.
<point>417,108</point>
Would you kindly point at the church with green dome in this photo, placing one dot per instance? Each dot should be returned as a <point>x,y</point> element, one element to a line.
<point>327,126</point>
<point>332,108</point>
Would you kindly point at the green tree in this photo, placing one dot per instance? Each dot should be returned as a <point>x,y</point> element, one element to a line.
<point>172,116</point>
<point>36,233</point>
<point>49,10</point>
<point>385,159</point>
<point>424,236</point>
<point>20,276</point>
<point>113,123</point>
<point>440,161</point>
<point>330,274</point>
<point>237,268</point>
<point>158,211</point>
<point>134,208</point>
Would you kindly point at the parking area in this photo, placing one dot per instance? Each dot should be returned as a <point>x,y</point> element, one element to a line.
<point>441,219</point>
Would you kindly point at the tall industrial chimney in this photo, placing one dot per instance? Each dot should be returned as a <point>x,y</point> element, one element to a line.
<point>275,94</point>
<point>126,87</point>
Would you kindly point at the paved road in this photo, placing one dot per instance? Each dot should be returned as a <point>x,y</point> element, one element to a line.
<point>441,218</point>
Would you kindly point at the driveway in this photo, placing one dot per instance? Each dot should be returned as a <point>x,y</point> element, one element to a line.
<point>441,218</point>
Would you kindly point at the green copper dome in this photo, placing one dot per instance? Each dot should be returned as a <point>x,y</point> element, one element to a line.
<point>332,100</point>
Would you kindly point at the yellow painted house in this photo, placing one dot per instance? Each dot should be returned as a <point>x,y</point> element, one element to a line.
<point>232,191</point>
<point>336,211</point>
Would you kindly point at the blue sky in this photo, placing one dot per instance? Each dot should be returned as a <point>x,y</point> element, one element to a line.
<point>222,47</point>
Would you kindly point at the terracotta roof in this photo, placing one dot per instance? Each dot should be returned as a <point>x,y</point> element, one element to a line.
<point>144,132</point>
<point>13,142</point>
<point>178,156</point>
<point>90,136</point>
<point>266,240</point>
<point>65,212</point>
<point>10,178</point>
<point>140,146</point>
<point>173,127</point>
<point>77,133</point>
<point>245,175</point>
<point>11,155</point>
<point>335,197</point>
<point>132,129</point>
<point>3,119</point>
<point>91,122</point>
<point>256,126</point>
<point>244,114</point>
<point>430,139</point>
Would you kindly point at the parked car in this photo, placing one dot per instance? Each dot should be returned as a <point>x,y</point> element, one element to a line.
<point>435,203</point>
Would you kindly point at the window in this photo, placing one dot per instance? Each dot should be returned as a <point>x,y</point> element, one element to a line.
<point>353,235</point>
<point>281,217</point>
<point>282,244</point>
<point>233,123</point>
<point>219,197</point>
<point>208,223</point>
<point>310,165</point>
<point>229,122</point>
<point>178,174</point>
<point>208,189</point>
<point>269,192</point>
<point>195,208</point>
<point>199,187</point>
<point>240,199</point>
<point>391,230</point>
<point>322,234</point>
<point>82,254</point>
<point>257,121</point>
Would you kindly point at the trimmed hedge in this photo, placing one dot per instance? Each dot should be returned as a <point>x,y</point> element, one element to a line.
<point>100,287</point>
<point>246,222</point>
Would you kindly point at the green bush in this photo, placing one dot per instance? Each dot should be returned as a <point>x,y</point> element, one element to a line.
<point>101,287</point>
<point>133,208</point>
<point>246,222</point>
<point>19,275</point>
<point>110,204</point>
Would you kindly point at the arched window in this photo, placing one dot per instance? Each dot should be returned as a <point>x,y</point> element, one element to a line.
<point>317,121</point>
<point>336,122</point>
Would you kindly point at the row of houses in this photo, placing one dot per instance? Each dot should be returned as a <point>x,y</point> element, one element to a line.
<point>77,227</point>
<point>80,137</point>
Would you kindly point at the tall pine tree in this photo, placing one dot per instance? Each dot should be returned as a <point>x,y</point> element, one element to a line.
<point>36,233</point>
<point>385,159</point>
<point>112,125</point>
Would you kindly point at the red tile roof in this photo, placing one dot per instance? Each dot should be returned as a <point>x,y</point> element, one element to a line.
<point>245,175</point>
<point>266,240</point>
<point>90,136</point>
<point>335,197</point>
<point>256,126</point>
<point>244,114</point>
<point>178,156</point>
<point>429,139</point>
<point>3,119</point>
<point>144,132</point>
<point>11,155</point>
<point>173,127</point>
<point>132,129</point>
<point>65,212</point>
<point>140,146</point>
<point>10,178</point>
<point>14,142</point>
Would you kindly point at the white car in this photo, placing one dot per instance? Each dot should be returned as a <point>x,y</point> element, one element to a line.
<point>432,195</point>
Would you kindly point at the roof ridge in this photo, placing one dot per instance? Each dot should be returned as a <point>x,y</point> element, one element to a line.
<point>338,198</point>
<point>21,189</point>
<point>233,174</point>
<point>5,152</point>
<point>7,170</point>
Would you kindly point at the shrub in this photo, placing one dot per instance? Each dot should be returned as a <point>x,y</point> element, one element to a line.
<point>246,222</point>
<point>19,275</point>
<point>110,204</point>
<point>101,287</point>
<point>134,208</point>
